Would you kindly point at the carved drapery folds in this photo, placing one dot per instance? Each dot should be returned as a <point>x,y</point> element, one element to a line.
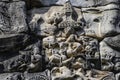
<point>59,40</point>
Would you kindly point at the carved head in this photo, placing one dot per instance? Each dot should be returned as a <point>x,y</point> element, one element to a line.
<point>68,8</point>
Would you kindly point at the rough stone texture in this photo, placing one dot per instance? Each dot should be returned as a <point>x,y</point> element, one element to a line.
<point>26,76</point>
<point>103,20</point>
<point>59,40</point>
<point>13,17</point>
<point>78,3</point>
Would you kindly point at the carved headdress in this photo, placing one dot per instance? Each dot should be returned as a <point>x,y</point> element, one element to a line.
<point>68,7</point>
<point>68,21</point>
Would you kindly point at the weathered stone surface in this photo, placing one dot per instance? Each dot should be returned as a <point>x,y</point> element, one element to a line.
<point>46,24</point>
<point>16,42</point>
<point>13,17</point>
<point>103,20</point>
<point>59,40</point>
<point>10,0</point>
<point>12,25</point>
<point>113,41</point>
<point>26,76</point>
<point>78,3</point>
<point>110,54</point>
<point>17,13</point>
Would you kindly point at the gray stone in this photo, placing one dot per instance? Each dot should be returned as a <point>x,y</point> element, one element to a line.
<point>16,42</point>
<point>26,76</point>
<point>78,3</point>
<point>103,21</point>
<point>17,12</point>
<point>59,40</point>
<point>13,18</point>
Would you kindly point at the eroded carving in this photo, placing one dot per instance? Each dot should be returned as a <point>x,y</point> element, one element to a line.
<point>59,40</point>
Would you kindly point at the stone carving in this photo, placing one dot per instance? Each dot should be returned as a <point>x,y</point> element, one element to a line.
<point>38,76</point>
<point>16,76</point>
<point>26,76</point>
<point>59,40</point>
<point>111,52</point>
<point>96,24</point>
<point>29,60</point>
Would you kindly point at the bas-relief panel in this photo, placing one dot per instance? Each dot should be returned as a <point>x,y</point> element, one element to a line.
<point>62,41</point>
